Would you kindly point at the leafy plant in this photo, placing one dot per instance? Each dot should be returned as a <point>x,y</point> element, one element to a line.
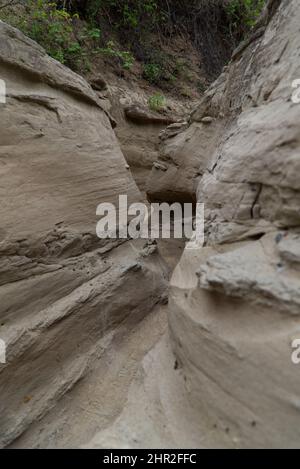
<point>243,14</point>
<point>94,33</point>
<point>160,68</point>
<point>152,72</point>
<point>130,16</point>
<point>125,57</point>
<point>53,28</point>
<point>157,102</point>
<point>71,31</point>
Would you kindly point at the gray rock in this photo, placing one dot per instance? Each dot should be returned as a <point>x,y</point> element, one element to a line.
<point>234,305</point>
<point>207,120</point>
<point>62,289</point>
<point>289,248</point>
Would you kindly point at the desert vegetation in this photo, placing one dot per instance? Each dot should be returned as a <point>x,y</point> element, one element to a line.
<point>75,31</point>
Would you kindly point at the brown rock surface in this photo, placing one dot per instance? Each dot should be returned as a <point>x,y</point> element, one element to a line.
<point>234,305</point>
<point>62,289</point>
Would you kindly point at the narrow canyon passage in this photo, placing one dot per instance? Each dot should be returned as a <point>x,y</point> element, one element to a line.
<point>132,343</point>
<point>58,392</point>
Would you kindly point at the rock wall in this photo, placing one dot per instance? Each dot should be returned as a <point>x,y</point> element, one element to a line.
<point>61,288</point>
<point>137,126</point>
<point>183,153</point>
<point>235,304</point>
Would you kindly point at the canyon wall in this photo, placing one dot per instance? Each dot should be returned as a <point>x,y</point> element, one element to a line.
<point>62,289</point>
<point>223,375</point>
<point>235,304</point>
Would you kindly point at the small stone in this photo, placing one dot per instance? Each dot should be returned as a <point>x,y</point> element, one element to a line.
<point>160,166</point>
<point>27,399</point>
<point>176,125</point>
<point>207,120</point>
<point>98,83</point>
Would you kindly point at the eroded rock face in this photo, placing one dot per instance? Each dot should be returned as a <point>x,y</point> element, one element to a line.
<point>234,305</point>
<point>61,288</point>
<point>138,127</point>
<point>183,154</point>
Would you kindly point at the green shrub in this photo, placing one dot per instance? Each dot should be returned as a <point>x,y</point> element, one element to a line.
<point>157,102</point>
<point>152,73</point>
<point>94,33</point>
<point>129,14</point>
<point>160,68</point>
<point>71,31</point>
<point>243,14</point>
<point>125,57</point>
<point>53,28</point>
<point>201,87</point>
